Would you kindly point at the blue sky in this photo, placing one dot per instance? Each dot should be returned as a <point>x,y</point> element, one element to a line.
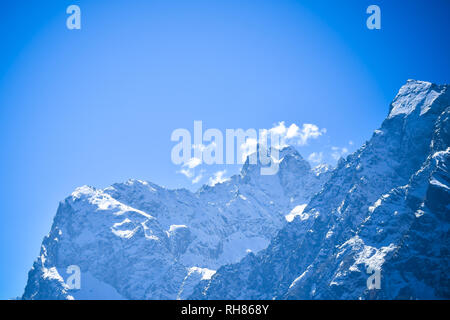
<point>98,105</point>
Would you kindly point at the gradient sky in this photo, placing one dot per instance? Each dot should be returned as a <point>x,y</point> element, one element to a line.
<point>98,105</point>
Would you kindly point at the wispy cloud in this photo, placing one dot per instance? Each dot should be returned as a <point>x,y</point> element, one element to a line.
<point>338,152</point>
<point>316,157</point>
<point>186,172</point>
<point>288,135</point>
<point>218,177</point>
<point>284,136</point>
<point>188,167</point>
<point>294,135</point>
<point>192,163</point>
<point>248,147</point>
<point>197,178</point>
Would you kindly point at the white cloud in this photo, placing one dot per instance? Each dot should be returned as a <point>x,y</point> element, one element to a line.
<point>248,147</point>
<point>218,177</point>
<point>187,172</point>
<point>294,135</point>
<point>290,135</point>
<point>338,152</point>
<point>316,157</point>
<point>190,174</point>
<point>197,178</point>
<point>279,129</point>
<point>292,131</point>
<point>350,142</point>
<point>285,135</point>
<point>310,131</point>
<point>189,166</point>
<point>192,163</point>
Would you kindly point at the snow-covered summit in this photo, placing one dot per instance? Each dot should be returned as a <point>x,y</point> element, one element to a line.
<point>303,233</point>
<point>322,168</point>
<point>385,206</point>
<point>415,96</point>
<point>137,240</point>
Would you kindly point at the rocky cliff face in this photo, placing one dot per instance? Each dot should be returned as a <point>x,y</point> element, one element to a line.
<point>386,207</point>
<point>136,240</point>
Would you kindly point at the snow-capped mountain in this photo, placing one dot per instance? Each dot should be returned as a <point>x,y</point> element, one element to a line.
<point>386,207</point>
<point>304,233</point>
<point>137,240</point>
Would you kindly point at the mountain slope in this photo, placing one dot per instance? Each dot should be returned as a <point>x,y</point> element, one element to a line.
<point>385,207</point>
<point>136,240</point>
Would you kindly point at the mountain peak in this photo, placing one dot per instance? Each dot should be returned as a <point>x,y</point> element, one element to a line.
<point>82,192</point>
<point>169,233</point>
<point>383,207</point>
<point>416,97</point>
<point>289,151</point>
<point>322,168</point>
<point>286,154</point>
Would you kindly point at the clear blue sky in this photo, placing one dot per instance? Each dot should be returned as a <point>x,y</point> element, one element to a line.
<point>97,105</point>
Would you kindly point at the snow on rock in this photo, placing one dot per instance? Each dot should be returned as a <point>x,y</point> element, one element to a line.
<point>297,211</point>
<point>137,240</point>
<point>385,206</point>
<point>415,95</point>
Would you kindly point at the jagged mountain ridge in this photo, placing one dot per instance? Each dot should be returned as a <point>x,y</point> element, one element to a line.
<point>386,206</point>
<point>136,240</point>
